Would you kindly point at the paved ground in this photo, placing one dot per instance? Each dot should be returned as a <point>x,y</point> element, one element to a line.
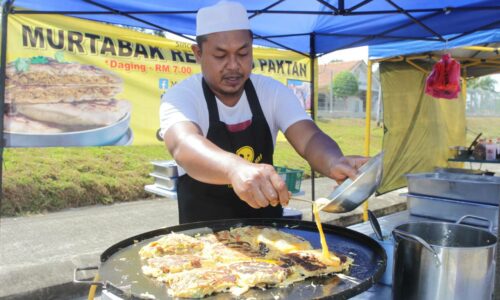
<point>39,253</point>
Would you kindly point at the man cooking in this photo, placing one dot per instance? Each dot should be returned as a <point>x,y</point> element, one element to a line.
<point>221,126</point>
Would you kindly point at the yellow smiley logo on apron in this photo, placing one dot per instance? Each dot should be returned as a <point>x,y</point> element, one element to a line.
<point>246,152</point>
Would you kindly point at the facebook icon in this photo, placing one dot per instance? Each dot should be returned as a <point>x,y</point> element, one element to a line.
<point>163,84</point>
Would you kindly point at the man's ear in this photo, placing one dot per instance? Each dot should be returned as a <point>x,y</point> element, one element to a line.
<point>197,52</point>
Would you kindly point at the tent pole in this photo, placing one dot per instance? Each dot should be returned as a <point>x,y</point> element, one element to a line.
<point>480,48</point>
<point>312,59</point>
<point>368,123</point>
<point>464,84</point>
<point>3,60</point>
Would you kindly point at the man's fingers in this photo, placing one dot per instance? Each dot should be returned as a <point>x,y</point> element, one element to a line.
<point>280,186</point>
<point>252,204</point>
<point>347,171</point>
<point>270,193</point>
<point>347,167</point>
<point>248,198</point>
<point>259,197</point>
<point>260,185</point>
<point>358,161</point>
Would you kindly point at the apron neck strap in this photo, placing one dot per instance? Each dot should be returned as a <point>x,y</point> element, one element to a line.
<point>213,112</point>
<point>253,100</point>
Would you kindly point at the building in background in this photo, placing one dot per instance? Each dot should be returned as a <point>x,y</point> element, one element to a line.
<point>330,106</point>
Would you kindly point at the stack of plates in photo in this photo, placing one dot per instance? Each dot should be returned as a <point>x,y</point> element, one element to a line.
<point>165,174</point>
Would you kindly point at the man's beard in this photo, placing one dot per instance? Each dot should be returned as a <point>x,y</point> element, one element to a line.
<point>230,93</point>
<point>223,92</point>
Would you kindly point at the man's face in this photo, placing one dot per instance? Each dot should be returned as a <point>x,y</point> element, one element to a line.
<point>226,62</point>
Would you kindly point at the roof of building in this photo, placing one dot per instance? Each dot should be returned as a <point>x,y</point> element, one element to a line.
<point>326,72</point>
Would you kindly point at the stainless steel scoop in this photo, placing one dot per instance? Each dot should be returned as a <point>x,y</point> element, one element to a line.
<point>351,193</point>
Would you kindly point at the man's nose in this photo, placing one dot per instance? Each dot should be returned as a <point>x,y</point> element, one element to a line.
<point>233,62</point>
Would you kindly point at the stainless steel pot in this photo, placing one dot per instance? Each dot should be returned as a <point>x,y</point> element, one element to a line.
<point>437,260</point>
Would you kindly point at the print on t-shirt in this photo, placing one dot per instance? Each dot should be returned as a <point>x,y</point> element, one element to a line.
<point>248,154</point>
<point>239,126</point>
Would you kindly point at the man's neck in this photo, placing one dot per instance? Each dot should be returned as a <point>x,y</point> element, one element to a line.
<point>229,100</point>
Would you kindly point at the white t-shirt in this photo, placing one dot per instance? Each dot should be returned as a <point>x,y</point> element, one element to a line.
<point>186,102</point>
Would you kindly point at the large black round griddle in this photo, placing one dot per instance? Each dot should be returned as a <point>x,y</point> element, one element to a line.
<point>120,267</point>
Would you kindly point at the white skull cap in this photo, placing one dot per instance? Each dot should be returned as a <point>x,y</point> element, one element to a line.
<point>223,16</point>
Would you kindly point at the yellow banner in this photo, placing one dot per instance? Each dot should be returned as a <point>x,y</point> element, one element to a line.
<point>73,82</point>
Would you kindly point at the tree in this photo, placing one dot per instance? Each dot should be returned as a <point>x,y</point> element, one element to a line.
<point>345,84</point>
<point>482,83</point>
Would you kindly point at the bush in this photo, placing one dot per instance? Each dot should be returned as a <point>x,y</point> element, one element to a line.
<point>345,84</point>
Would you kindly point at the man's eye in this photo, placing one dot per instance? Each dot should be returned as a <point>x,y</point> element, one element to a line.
<point>243,54</point>
<point>219,56</point>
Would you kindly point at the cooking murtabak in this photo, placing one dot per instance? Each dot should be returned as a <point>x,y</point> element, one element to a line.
<point>234,261</point>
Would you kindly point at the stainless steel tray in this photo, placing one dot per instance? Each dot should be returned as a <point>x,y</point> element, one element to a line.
<point>154,189</point>
<point>168,183</point>
<point>462,171</point>
<point>451,210</point>
<point>475,188</point>
<point>166,168</point>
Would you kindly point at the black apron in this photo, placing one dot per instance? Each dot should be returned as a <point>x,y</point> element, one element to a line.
<point>200,201</point>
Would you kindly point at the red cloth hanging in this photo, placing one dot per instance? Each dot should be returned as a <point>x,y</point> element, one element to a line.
<point>444,80</point>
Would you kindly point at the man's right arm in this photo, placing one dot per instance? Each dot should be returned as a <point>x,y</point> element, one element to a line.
<point>257,184</point>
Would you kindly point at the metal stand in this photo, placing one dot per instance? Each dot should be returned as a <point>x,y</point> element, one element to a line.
<point>3,64</point>
<point>312,57</point>
<point>496,291</point>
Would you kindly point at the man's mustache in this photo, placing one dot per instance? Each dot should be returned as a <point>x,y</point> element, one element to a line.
<point>232,75</point>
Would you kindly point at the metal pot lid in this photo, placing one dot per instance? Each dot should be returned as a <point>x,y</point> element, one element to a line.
<point>352,193</point>
<point>120,267</point>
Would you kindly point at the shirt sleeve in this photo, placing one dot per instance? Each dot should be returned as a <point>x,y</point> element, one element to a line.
<point>177,105</point>
<point>287,107</point>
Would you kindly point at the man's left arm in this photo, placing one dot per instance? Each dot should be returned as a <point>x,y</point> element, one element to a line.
<point>322,152</point>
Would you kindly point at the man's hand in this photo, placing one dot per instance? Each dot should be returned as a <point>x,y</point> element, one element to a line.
<point>259,185</point>
<point>346,167</point>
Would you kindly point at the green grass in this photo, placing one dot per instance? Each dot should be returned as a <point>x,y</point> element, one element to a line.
<point>50,179</point>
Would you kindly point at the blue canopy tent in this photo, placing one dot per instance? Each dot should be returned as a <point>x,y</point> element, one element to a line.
<point>307,26</point>
<point>310,27</point>
<point>477,51</point>
<point>484,37</point>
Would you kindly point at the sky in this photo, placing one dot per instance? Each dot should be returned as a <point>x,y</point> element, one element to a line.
<point>346,55</point>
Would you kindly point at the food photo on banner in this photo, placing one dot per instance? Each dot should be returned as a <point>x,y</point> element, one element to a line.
<point>74,82</point>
